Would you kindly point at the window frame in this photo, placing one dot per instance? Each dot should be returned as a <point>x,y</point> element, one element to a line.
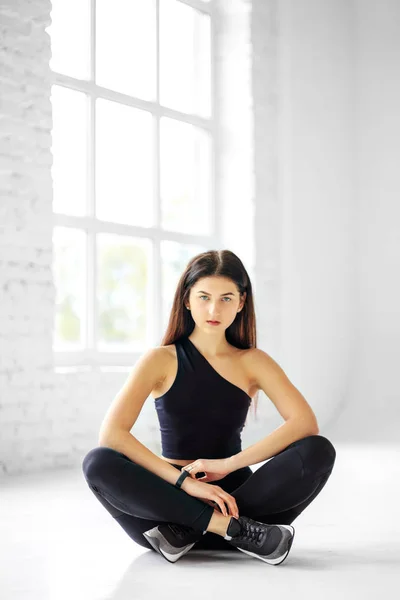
<point>90,356</point>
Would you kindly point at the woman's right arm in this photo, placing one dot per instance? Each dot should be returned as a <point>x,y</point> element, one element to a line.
<point>125,409</point>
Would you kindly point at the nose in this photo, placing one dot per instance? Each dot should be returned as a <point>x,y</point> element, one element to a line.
<point>213,316</point>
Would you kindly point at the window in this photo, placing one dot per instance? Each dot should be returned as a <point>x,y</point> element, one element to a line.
<point>133,164</point>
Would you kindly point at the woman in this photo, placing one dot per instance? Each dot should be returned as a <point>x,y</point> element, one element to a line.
<point>203,378</point>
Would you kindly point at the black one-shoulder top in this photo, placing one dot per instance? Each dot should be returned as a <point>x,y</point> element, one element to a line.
<point>202,414</point>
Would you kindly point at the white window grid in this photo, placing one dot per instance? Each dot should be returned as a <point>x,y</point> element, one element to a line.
<point>90,357</point>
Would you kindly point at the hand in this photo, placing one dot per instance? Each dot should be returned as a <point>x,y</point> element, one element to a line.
<point>213,495</point>
<point>215,505</point>
<point>214,469</point>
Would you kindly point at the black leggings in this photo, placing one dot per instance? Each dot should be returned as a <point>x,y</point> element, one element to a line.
<point>277,492</point>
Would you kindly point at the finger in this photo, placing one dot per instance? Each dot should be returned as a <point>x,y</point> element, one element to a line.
<point>191,471</point>
<point>234,508</point>
<point>210,502</point>
<point>222,506</point>
<point>231,502</point>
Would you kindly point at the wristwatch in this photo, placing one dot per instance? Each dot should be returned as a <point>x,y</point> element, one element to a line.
<point>181,479</point>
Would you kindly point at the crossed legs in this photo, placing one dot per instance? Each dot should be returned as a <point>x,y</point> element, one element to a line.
<point>277,492</point>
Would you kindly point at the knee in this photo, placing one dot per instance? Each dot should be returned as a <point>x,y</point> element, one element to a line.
<point>318,454</point>
<point>96,462</point>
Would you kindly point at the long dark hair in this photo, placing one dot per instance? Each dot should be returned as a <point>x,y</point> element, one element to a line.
<point>222,263</point>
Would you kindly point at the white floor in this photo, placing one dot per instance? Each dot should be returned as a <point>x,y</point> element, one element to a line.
<point>57,542</point>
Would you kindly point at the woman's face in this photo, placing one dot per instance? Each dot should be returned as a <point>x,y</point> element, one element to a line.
<point>215,299</point>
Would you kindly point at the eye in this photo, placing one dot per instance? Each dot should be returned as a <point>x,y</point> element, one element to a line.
<point>225,298</point>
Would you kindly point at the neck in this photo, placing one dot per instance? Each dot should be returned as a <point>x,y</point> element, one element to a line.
<point>211,345</point>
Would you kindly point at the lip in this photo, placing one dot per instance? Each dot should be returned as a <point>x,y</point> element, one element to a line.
<point>214,322</point>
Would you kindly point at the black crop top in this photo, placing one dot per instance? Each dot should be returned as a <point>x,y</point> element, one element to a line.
<point>202,414</point>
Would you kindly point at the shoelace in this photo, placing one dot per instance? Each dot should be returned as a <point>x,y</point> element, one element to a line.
<point>250,532</point>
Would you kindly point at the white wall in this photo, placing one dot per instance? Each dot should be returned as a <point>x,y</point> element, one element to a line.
<point>319,201</point>
<point>26,286</point>
<point>320,190</point>
<point>339,165</point>
<point>373,407</point>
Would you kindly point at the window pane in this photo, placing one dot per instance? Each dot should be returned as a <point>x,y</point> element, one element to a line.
<point>185,58</point>
<point>126,46</point>
<point>69,147</point>
<point>123,272</point>
<point>69,271</point>
<point>174,258</point>
<point>124,172</point>
<point>70,37</point>
<point>185,177</point>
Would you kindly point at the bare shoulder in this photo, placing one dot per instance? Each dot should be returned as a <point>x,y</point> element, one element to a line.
<point>167,353</point>
<point>157,353</point>
<point>250,354</point>
<point>257,358</point>
<point>255,361</point>
<point>169,350</point>
<point>166,359</point>
<point>244,355</point>
<point>154,360</point>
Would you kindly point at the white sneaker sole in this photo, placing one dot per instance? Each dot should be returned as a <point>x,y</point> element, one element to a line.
<point>153,537</point>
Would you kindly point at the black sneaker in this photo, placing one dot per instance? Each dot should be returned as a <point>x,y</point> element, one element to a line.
<point>173,540</point>
<point>270,543</point>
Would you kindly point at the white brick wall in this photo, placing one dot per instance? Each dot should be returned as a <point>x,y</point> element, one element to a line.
<point>46,419</point>
<point>26,285</point>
